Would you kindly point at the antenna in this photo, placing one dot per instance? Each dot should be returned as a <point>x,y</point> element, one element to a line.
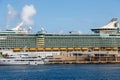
<point>30,29</point>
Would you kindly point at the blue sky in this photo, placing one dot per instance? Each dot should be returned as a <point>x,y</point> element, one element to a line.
<point>64,15</point>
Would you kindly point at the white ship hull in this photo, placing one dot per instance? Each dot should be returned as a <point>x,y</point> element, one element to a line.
<point>20,62</point>
<point>25,58</point>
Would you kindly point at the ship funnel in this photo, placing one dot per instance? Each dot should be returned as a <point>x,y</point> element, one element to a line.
<point>112,24</point>
<point>115,22</point>
<point>110,28</point>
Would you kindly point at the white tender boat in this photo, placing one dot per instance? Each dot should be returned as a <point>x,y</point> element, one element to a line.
<point>21,59</point>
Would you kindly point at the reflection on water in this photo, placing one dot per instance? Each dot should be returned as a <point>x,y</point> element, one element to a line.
<point>61,72</point>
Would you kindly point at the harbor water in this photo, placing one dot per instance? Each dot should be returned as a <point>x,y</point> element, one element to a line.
<point>61,72</point>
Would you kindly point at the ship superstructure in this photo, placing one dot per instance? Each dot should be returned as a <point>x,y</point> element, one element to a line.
<point>105,40</point>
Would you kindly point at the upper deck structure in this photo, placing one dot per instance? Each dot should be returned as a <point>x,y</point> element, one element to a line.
<point>106,37</point>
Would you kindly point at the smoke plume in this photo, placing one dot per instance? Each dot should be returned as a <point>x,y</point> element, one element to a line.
<point>27,13</point>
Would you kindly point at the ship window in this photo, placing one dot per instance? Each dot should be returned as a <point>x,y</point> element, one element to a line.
<point>115,24</point>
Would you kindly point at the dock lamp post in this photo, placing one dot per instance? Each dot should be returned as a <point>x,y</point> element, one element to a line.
<point>99,55</point>
<point>91,55</point>
<point>116,55</point>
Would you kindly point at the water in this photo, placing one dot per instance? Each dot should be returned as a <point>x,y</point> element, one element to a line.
<point>61,72</point>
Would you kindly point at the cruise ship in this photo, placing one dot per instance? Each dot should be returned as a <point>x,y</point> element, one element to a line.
<point>101,45</point>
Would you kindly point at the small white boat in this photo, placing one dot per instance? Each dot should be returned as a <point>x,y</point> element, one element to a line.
<point>21,59</point>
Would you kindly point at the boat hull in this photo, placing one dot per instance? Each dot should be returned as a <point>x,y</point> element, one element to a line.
<point>14,62</point>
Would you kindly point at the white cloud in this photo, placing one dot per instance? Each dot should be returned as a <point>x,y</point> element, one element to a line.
<point>27,13</point>
<point>11,15</point>
<point>11,12</point>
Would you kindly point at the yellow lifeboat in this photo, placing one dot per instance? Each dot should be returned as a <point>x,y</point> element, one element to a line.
<point>77,49</point>
<point>63,49</point>
<point>26,49</point>
<point>40,49</point>
<point>16,49</point>
<point>96,49</point>
<point>70,49</point>
<point>48,49</point>
<point>55,49</point>
<point>108,49</point>
<point>84,49</point>
<point>32,49</point>
<point>114,48</point>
